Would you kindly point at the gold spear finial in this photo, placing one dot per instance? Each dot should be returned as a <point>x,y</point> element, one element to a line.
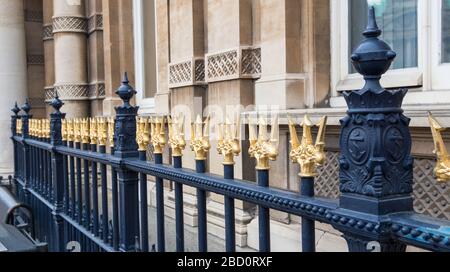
<point>228,141</point>
<point>77,131</point>
<point>200,138</point>
<point>70,131</point>
<point>142,133</point>
<point>102,132</point>
<point>262,148</point>
<point>111,127</point>
<point>85,131</point>
<point>307,154</point>
<point>93,130</point>
<point>47,128</point>
<point>177,141</point>
<point>31,130</point>
<point>442,169</point>
<point>19,126</point>
<point>64,130</point>
<point>158,134</point>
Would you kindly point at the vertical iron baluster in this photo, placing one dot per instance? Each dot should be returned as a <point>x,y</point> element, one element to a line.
<point>160,220</point>
<point>179,214</point>
<point>115,206</point>
<point>72,183</point>
<point>264,215</point>
<point>95,224</point>
<point>79,186</point>
<point>144,205</point>
<point>87,192</point>
<point>66,182</point>
<point>104,181</point>
<point>230,228</point>
<point>201,207</point>
<point>49,175</point>
<point>308,225</point>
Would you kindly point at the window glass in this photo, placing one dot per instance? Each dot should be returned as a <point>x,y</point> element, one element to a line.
<point>397,19</point>
<point>445,52</point>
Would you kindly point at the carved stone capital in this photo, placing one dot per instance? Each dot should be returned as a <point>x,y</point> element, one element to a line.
<point>70,24</point>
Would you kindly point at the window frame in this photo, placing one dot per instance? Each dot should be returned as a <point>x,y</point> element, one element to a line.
<point>146,104</point>
<point>342,79</point>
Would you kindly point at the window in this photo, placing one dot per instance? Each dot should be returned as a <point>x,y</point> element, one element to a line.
<point>144,16</point>
<point>418,30</point>
<point>445,30</point>
<point>397,19</point>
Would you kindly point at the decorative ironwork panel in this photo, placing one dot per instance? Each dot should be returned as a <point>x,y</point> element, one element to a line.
<point>327,183</point>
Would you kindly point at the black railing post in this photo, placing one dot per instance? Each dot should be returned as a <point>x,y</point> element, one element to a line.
<point>14,119</point>
<point>57,174</point>
<point>26,159</point>
<point>125,148</point>
<point>376,167</point>
<point>308,225</point>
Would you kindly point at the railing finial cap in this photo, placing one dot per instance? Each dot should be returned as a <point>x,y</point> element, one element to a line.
<point>56,103</point>
<point>26,107</point>
<point>16,109</point>
<point>125,91</point>
<point>372,29</point>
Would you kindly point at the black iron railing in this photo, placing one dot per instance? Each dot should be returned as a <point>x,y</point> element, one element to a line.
<point>61,171</point>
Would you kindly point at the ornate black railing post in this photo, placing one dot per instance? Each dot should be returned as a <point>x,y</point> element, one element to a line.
<point>26,108</point>
<point>126,147</point>
<point>14,119</point>
<point>57,173</point>
<point>376,168</point>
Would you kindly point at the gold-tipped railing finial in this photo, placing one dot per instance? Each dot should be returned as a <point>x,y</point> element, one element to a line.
<point>158,134</point>
<point>263,148</point>
<point>177,141</point>
<point>307,154</point>
<point>442,169</point>
<point>111,127</point>
<point>200,143</point>
<point>93,131</point>
<point>70,130</point>
<point>46,131</point>
<point>142,133</point>
<point>77,130</point>
<point>102,131</point>
<point>85,133</point>
<point>64,132</point>
<point>19,126</point>
<point>228,143</point>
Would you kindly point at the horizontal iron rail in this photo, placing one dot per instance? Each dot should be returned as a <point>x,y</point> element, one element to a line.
<point>410,228</point>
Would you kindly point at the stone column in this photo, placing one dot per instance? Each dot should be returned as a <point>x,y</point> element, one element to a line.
<point>49,52</point>
<point>162,98</point>
<point>96,56</point>
<point>232,65</point>
<point>118,49</point>
<point>186,78</point>
<point>69,32</point>
<point>13,73</point>
<point>295,48</point>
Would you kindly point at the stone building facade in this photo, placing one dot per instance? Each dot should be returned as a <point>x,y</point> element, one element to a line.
<point>289,57</point>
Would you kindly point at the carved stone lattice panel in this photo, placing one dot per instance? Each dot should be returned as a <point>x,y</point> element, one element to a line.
<point>180,73</point>
<point>70,24</point>
<point>430,197</point>
<point>251,62</point>
<point>95,23</point>
<point>327,183</point>
<point>47,32</point>
<point>35,59</point>
<point>223,66</point>
<point>97,90</point>
<point>199,70</point>
<point>70,92</point>
<point>49,93</point>
<point>35,16</point>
